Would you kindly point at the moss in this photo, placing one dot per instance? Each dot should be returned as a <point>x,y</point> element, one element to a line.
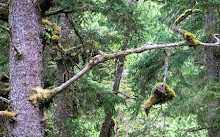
<point>45,121</point>
<point>158,96</point>
<point>107,55</point>
<point>190,38</point>
<point>169,91</point>
<point>11,115</point>
<point>55,37</point>
<point>6,89</point>
<point>151,101</point>
<point>3,11</point>
<point>185,14</point>
<point>57,29</point>
<point>40,94</point>
<point>46,22</point>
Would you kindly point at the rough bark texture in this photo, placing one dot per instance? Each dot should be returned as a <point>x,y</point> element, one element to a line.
<point>213,72</point>
<point>107,129</point>
<point>25,70</point>
<point>63,105</point>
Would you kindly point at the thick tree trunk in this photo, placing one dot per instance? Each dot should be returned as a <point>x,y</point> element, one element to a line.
<point>25,70</point>
<point>213,72</point>
<point>64,101</point>
<point>106,130</point>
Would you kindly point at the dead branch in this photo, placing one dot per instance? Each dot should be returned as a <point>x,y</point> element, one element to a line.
<point>3,27</point>
<point>5,100</point>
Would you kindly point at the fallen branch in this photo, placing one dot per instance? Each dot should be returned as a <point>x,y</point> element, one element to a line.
<point>3,27</point>
<point>5,100</point>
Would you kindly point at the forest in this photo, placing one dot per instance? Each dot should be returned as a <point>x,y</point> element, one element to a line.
<point>109,68</point>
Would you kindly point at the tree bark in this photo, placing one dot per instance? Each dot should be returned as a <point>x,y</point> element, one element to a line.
<point>25,69</point>
<point>64,102</point>
<point>213,72</point>
<point>106,130</point>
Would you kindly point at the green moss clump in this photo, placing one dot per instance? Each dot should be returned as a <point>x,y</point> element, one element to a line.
<point>190,38</point>
<point>158,96</point>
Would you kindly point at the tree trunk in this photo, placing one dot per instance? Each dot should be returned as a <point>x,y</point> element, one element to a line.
<point>213,72</point>
<point>64,102</point>
<point>107,129</point>
<point>26,69</point>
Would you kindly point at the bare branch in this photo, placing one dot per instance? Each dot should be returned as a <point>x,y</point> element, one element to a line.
<point>3,27</point>
<point>4,5</point>
<point>165,69</point>
<point>49,13</point>
<point>5,100</point>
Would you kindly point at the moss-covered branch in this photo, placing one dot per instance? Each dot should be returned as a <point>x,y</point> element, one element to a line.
<point>10,115</point>
<point>189,37</point>
<point>44,95</point>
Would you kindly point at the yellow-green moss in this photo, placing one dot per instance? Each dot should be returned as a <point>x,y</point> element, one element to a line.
<point>55,37</point>
<point>150,102</point>
<point>46,22</point>
<point>11,115</point>
<point>190,38</point>
<point>159,97</point>
<point>57,29</point>
<point>168,89</point>
<point>3,11</point>
<point>185,14</point>
<point>40,93</point>
<point>45,122</point>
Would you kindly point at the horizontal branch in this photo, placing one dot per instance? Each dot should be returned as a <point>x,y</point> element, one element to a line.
<point>49,13</point>
<point>44,95</point>
<point>3,27</point>
<point>5,100</point>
